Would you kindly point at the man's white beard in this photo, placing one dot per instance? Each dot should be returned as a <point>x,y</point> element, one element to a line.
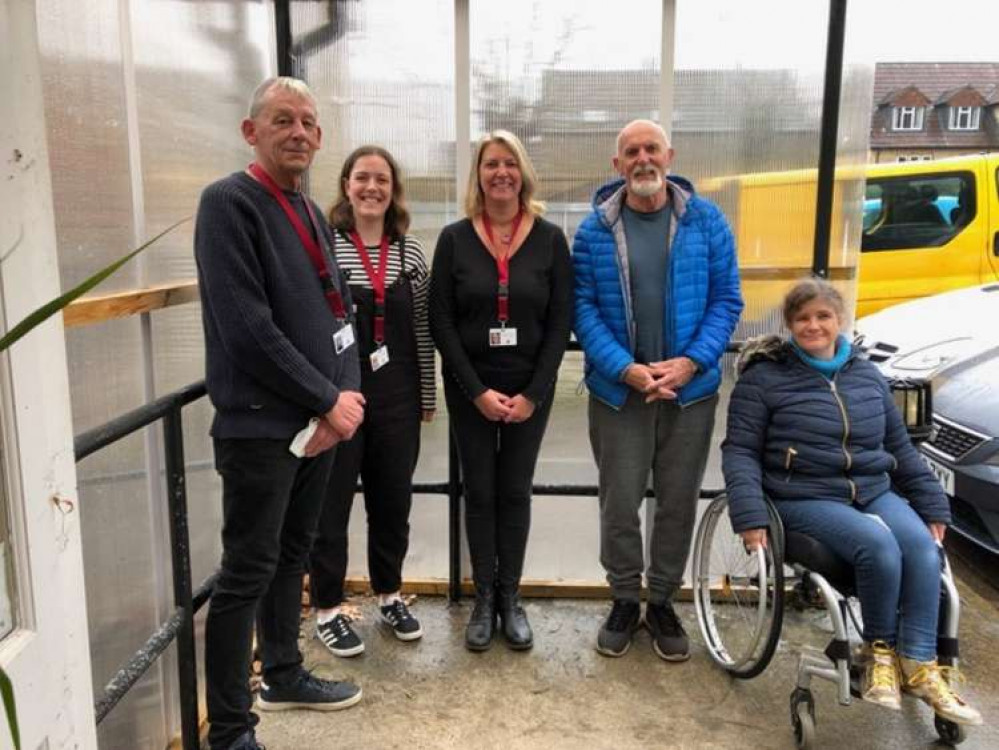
<point>646,188</point>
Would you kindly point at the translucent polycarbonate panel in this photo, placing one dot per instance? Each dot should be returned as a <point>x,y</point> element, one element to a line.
<point>121,586</point>
<point>746,129</point>
<point>383,73</point>
<point>86,123</point>
<point>195,67</point>
<point>143,105</point>
<point>535,72</point>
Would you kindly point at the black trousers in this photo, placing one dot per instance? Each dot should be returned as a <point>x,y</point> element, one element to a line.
<point>497,468</point>
<point>271,503</point>
<point>383,452</point>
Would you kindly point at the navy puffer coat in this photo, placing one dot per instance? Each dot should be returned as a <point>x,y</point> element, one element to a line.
<point>795,435</point>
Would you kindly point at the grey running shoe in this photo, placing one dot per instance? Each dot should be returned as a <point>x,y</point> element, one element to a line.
<point>669,640</point>
<point>614,638</point>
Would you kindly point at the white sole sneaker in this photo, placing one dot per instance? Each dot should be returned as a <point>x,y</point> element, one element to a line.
<point>302,706</point>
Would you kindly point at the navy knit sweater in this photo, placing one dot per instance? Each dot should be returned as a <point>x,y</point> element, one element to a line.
<point>270,360</point>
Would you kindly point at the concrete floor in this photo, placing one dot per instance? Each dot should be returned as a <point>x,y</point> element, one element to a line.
<point>562,694</point>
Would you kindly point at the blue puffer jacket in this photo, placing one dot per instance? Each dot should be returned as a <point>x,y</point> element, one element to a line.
<point>795,435</point>
<point>701,290</point>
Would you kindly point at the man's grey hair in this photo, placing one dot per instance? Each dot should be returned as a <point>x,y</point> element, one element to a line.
<point>278,83</point>
<point>652,123</point>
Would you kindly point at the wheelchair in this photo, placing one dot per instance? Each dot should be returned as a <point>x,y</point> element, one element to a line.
<point>740,596</point>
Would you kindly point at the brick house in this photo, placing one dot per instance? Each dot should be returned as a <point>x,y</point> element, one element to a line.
<point>933,110</point>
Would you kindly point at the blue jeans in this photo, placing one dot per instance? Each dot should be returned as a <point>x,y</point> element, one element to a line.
<point>895,559</point>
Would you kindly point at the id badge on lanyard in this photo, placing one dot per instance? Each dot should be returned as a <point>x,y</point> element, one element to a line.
<point>504,335</point>
<point>343,337</point>
<point>380,356</point>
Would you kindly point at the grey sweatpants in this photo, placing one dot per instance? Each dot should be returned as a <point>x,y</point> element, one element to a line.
<point>672,444</point>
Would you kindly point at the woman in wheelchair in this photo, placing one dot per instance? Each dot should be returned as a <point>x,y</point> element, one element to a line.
<point>814,427</point>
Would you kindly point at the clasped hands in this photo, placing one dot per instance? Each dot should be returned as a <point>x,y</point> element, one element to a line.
<point>339,423</point>
<point>660,380</point>
<point>498,407</point>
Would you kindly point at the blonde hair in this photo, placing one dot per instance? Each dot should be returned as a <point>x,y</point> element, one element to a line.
<point>278,83</point>
<point>474,199</point>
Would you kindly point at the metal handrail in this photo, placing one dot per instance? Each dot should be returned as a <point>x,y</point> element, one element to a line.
<point>179,626</point>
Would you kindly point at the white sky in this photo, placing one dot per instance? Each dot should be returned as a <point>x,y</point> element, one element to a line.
<point>414,37</point>
<point>517,36</point>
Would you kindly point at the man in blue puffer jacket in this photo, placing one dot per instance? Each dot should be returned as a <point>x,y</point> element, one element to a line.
<point>656,300</point>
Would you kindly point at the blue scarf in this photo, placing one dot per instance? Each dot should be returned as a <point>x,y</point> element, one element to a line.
<point>828,367</point>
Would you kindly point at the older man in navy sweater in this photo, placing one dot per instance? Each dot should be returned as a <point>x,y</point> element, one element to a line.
<point>656,300</point>
<point>280,358</point>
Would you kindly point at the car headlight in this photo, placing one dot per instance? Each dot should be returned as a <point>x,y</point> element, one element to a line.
<point>914,401</point>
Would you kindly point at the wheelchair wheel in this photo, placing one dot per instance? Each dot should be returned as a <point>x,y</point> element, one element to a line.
<point>949,732</point>
<point>739,596</point>
<point>804,728</point>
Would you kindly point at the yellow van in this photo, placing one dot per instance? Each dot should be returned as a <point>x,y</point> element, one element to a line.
<point>928,226</point>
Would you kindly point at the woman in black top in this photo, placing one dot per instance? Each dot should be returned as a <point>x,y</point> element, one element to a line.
<point>501,307</point>
<point>388,284</point>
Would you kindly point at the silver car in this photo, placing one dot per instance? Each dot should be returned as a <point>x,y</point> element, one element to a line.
<point>952,341</point>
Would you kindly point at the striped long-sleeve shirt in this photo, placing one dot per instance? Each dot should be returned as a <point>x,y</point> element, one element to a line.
<point>349,262</point>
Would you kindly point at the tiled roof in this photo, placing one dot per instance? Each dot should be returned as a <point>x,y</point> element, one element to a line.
<point>937,82</point>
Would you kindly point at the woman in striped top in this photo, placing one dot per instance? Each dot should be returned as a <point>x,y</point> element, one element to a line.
<point>388,280</point>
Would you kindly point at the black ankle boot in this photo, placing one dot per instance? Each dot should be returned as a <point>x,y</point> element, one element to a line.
<point>516,628</point>
<point>482,623</point>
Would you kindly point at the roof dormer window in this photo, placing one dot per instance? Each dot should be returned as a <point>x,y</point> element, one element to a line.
<point>963,118</point>
<point>907,118</point>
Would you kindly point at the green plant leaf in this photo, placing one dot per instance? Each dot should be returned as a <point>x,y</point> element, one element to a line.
<point>7,692</point>
<point>49,309</point>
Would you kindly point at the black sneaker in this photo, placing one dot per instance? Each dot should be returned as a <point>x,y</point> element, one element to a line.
<point>247,741</point>
<point>669,640</point>
<point>308,691</point>
<point>339,637</point>
<point>404,625</point>
<point>614,638</point>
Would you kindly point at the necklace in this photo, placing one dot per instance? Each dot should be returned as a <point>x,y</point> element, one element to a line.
<point>506,239</point>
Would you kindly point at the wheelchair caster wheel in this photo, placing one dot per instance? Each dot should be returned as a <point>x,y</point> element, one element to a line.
<point>949,731</point>
<point>803,718</point>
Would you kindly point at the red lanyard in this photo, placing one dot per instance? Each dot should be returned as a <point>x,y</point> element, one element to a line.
<point>377,279</point>
<point>502,264</point>
<point>333,297</point>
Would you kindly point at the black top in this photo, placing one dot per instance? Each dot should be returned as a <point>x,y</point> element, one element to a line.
<point>463,285</point>
<point>269,356</point>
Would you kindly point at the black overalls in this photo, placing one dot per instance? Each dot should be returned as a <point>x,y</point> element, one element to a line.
<point>383,451</point>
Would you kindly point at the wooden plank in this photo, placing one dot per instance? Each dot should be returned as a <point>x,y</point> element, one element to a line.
<point>535,589</point>
<point>791,273</point>
<point>98,308</point>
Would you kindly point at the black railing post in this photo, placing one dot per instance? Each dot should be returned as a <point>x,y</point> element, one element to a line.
<point>454,516</point>
<point>187,674</point>
<point>828,137</point>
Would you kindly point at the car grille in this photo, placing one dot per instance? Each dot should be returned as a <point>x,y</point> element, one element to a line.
<point>952,440</point>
